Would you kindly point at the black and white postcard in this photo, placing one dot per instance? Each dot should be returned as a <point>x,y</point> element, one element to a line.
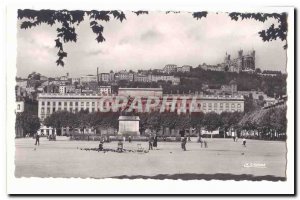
<point>114,100</point>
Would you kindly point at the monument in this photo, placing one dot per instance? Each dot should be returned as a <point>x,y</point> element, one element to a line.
<point>129,125</point>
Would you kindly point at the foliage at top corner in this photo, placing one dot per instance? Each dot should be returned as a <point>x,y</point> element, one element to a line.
<point>68,19</point>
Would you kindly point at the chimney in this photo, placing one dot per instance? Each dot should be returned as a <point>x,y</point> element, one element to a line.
<point>98,75</point>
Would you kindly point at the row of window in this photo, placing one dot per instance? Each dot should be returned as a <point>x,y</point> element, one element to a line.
<point>87,104</point>
<point>54,103</point>
<point>48,111</point>
<point>221,110</point>
<point>221,105</point>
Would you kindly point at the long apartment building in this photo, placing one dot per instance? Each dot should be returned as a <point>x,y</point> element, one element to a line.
<point>49,103</point>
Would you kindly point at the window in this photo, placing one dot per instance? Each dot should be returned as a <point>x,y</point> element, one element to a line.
<point>82,104</point>
<point>65,104</point>
<point>76,109</point>
<point>19,107</point>
<point>87,103</point>
<point>76,103</point>
<point>42,110</point>
<point>43,103</point>
<point>215,105</point>
<point>239,105</point>
<point>221,105</point>
<point>71,103</point>
<point>59,103</point>
<point>93,109</point>
<point>227,105</point>
<point>209,105</point>
<point>70,109</point>
<point>232,105</point>
<point>48,103</point>
<point>53,103</point>
<point>48,110</point>
<point>93,103</point>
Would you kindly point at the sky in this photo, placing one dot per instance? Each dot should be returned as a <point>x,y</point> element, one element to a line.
<point>147,42</point>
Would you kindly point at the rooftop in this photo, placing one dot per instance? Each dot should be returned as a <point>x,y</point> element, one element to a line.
<point>177,96</point>
<point>141,89</point>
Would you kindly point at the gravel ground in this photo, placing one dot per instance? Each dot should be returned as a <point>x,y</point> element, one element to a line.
<point>64,158</point>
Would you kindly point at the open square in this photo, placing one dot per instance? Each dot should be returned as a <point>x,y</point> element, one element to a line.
<point>63,158</point>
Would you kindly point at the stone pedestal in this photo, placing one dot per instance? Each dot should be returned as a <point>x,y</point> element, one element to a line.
<point>129,125</point>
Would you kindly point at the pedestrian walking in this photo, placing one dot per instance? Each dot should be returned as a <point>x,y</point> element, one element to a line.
<point>183,143</point>
<point>37,139</point>
<point>244,142</point>
<point>203,142</point>
<point>150,140</point>
<point>236,138</point>
<point>101,145</point>
<point>155,142</point>
<point>129,139</point>
<point>120,146</point>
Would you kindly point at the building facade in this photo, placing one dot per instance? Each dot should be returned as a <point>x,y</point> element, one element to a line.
<point>105,90</point>
<point>75,80</point>
<point>142,92</point>
<point>125,75</point>
<point>170,68</point>
<point>50,103</point>
<point>184,68</point>
<point>104,77</point>
<point>166,78</point>
<point>141,78</point>
<point>244,62</point>
<point>88,78</point>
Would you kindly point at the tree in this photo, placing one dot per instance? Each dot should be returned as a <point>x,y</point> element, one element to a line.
<point>272,33</point>
<point>55,120</point>
<point>168,120</point>
<point>197,121</point>
<point>183,122</point>
<point>34,76</point>
<point>211,121</point>
<point>226,68</point>
<point>230,120</point>
<point>154,122</point>
<point>258,70</point>
<point>68,20</point>
<point>143,122</point>
<point>279,120</point>
<point>28,122</point>
<point>107,120</point>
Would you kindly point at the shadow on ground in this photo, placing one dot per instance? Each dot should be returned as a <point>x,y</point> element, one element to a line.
<point>219,176</point>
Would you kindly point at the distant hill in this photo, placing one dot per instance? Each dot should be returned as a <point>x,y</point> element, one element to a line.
<point>245,81</point>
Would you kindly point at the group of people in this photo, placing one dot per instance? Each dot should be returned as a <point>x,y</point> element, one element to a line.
<point>152,140</point>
